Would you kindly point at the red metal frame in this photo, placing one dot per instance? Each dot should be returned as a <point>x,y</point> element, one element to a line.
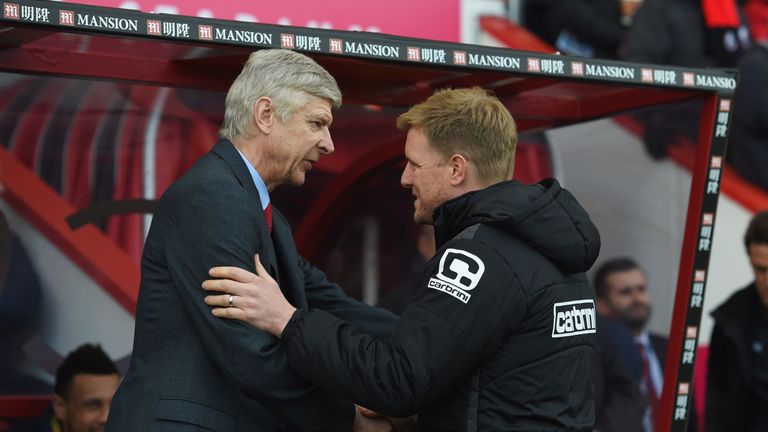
<point>685,275</point>
<point>90,249</point>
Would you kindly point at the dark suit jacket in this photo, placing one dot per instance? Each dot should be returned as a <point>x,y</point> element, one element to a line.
<point>192,371</point>
<point>619,405</point>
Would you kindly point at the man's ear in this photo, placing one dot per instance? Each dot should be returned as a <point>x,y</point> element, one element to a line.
<point>59,407</point>
<point>459,169</point>
<point>264,114</point>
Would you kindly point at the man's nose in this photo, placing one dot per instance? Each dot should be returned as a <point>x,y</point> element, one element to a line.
<point>326,143</point>
<point>104,413</point>
<point>406,179</point>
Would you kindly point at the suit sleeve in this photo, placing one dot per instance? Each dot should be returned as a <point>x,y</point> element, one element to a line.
<point>216,225</point>
<point>437,344</point>
<point>327,296</point>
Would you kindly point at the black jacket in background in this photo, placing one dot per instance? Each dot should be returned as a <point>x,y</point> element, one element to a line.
<point>594,22</point>
<point>748,142</point>
<point>729,370</point>
<point>619,404</point>
<point>501,335</point>
<point>674,32</point>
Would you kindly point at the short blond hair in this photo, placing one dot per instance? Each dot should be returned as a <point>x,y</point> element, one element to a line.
<point>471,122</point>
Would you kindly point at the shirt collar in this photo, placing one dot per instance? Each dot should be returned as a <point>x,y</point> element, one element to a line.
<point>260,185</point>
<point>643,339</point>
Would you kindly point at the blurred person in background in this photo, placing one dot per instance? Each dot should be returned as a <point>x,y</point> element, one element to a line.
<point>85,382</point>
<point>748,141</point>
<point>619,404</point>
<point>693,33</point>
<point>737,373</point>
<point>622,294</point>
<point>590,28</point>
<point>20,312</point>
<point>690,33</point>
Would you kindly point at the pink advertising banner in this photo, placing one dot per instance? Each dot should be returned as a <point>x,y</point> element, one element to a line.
<point>429,19</point>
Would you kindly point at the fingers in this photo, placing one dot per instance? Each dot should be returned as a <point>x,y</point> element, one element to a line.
<point>222,300</point>
<point>367,412</point>
<point>233,273</point>
<point>229,313</point>
<point>260,270</point>
<point>225,286</point>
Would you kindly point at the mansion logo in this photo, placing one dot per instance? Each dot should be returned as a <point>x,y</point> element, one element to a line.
<point>11,11</point>
<point>459,273</point>
<point>205,32</point>
<point>574,318</point>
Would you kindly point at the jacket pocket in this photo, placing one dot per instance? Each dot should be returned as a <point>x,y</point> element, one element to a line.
<point>186,411</point>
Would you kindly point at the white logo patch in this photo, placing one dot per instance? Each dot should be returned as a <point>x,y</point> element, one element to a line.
<point>459,272</point>
<point>574,318</point>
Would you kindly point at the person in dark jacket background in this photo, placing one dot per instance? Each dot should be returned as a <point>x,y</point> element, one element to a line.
<point>619,404</point>
<point>748,143</point>
<point>592,28</point>
<point>501,334</point>
<point>737,373</point>
<point>687,33</point>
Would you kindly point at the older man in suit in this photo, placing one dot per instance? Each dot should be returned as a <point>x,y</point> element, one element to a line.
<point>190,370</point>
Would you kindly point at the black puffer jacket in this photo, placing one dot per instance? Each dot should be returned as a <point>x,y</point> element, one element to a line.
<point>500,337</point>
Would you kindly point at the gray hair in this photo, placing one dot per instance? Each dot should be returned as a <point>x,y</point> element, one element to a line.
<point>285,76</point>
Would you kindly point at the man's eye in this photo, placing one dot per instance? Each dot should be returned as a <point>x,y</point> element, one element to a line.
<point>92,404</point>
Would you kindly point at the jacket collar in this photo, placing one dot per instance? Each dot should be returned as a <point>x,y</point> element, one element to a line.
<point>227,151</point>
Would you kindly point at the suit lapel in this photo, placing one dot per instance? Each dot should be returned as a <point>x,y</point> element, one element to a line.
<point>227,152</point>
<point>291,278</point>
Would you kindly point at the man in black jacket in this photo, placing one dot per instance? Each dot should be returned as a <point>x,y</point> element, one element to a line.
<point>737,373</point>
<point>748,143</point>
<point>190,370</point>
<point>501,335</point>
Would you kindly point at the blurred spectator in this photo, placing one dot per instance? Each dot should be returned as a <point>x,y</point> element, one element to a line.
<point>85,384</point>
<point>591,28</point>
<point>622,293</point>
<point>537,18</point>
<point>20,303</point>
<point>619,405</point>
<point>748,142</point>
<point>397,299</point>
<point>737,374</point>
<point>694,33</point>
